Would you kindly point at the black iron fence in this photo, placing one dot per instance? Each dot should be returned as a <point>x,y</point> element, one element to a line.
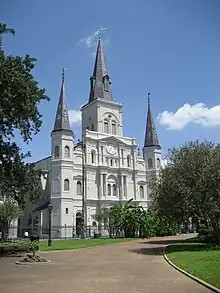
<point>60,232</point>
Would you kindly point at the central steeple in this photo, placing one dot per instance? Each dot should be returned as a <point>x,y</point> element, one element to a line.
<point>100,85</point>
<point>151,138</point>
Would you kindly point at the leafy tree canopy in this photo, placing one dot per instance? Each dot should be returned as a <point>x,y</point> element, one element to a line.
<point>20,96</point>
<point>190,184</point>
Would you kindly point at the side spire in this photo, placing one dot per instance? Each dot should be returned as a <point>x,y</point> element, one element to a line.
<point>151,138</point>
<point>100,85</point>
<point>62,119</point>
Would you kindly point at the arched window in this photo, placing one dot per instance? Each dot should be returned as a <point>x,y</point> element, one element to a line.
<point>56,151</point>
<point>114,128</point>
<point>66,152</point>
<point>158,163</point>
<point>114,190</point>
<point>128,161</point>
<point>109,190</point>
<point>150,163</point>
<point>141,191</point>
<point>93,157</point>
<point>106,126</point>
<point>56,185</point>
<point>78,188</point>
<point>66,185</point>
<point>94,224</point>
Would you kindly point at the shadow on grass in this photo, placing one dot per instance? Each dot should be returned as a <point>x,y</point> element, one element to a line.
<point>167,241</point>
<point>161,246</point>
<point>149,251</point>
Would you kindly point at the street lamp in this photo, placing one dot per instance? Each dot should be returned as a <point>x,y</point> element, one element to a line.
<point>50,207</point>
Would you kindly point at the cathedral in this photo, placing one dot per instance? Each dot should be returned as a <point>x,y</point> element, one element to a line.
<point>103,169</point>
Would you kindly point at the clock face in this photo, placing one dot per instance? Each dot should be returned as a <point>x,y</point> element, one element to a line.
<point>111,149</point>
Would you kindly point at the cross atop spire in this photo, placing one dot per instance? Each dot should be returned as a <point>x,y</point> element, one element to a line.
<point>151,138</point>
<point>100,33</point>
<point>148,98</point>
<point>62,119</point>
<point>100,82</point>
<point>63,76</point>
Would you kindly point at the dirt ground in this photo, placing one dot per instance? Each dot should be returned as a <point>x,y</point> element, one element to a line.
<point>129,267</point>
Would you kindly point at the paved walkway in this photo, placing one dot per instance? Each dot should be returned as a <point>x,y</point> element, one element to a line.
<point>129,267</point>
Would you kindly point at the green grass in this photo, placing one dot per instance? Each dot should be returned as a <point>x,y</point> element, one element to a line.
<point>76,244</point>
<point>199,259</point>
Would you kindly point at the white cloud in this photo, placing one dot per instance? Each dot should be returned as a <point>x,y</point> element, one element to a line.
<point>91,40</point>
<point>198,114</point>
<point>75,117</point>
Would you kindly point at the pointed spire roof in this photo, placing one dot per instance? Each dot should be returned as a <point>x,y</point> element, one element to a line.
<point>62,119</point>
<point>151,138</point>
<point>100,83</point>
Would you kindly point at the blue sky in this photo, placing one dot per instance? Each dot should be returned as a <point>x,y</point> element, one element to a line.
<point>169,48</point>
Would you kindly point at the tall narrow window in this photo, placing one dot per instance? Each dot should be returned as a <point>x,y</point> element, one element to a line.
<point>106,126</point>
<point>102,154</point>
<point>150,163</point>
<point>106,83</point>
<point>109,189</point>
<point>141,191</point>
<point>111,162</point>
<point>66,185</point>
<point>93,157</point>
<point>104,185</point>
<point>128,161</point>
<point>93,127</point>
<point>56,152</point>
<point>125,186</point>
<point>122,157</point>
<point>114,128</point>
<point>78,188</point>
<point>66,152</point>
<point>158,163</point>
<point>114,190</point>
<point>67,211</point>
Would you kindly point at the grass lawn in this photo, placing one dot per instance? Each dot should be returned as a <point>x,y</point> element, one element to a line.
<point>199,259</point>
<point>75,244</point>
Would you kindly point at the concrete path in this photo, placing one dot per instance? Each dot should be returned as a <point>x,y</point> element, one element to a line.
<point>130,267</point>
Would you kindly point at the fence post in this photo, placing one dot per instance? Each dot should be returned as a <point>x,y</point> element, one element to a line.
<point>65,231</point>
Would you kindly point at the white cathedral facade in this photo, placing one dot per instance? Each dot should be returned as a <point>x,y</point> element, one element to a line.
<point>108,170</point>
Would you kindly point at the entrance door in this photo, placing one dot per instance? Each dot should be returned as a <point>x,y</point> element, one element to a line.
<point>78,224</point>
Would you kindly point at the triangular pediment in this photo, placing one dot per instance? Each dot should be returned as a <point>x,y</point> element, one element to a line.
<point>115,139</point>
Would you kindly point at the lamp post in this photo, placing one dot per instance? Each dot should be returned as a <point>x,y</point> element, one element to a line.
<point>50,207</point>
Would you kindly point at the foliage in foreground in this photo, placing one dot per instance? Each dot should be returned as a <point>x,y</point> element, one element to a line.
<point>189,186</point>
<point>20,96</point>
<point>9,210</point>
<point>133,221</point>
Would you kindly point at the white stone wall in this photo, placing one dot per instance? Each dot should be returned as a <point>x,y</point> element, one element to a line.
<point>114,171</point>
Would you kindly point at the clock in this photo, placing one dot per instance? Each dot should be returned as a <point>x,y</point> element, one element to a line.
<point>111,149</point>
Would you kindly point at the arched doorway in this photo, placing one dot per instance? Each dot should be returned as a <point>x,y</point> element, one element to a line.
<point>78,223</point>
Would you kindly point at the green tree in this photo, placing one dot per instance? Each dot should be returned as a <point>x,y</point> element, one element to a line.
<point>9,211</point>
<point>189,185</point>
<point>20,96</point>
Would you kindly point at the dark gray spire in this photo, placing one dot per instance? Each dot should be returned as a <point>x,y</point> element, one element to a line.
<point>100,85</point>
<point>62,119</point>
<point>151,138</point>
